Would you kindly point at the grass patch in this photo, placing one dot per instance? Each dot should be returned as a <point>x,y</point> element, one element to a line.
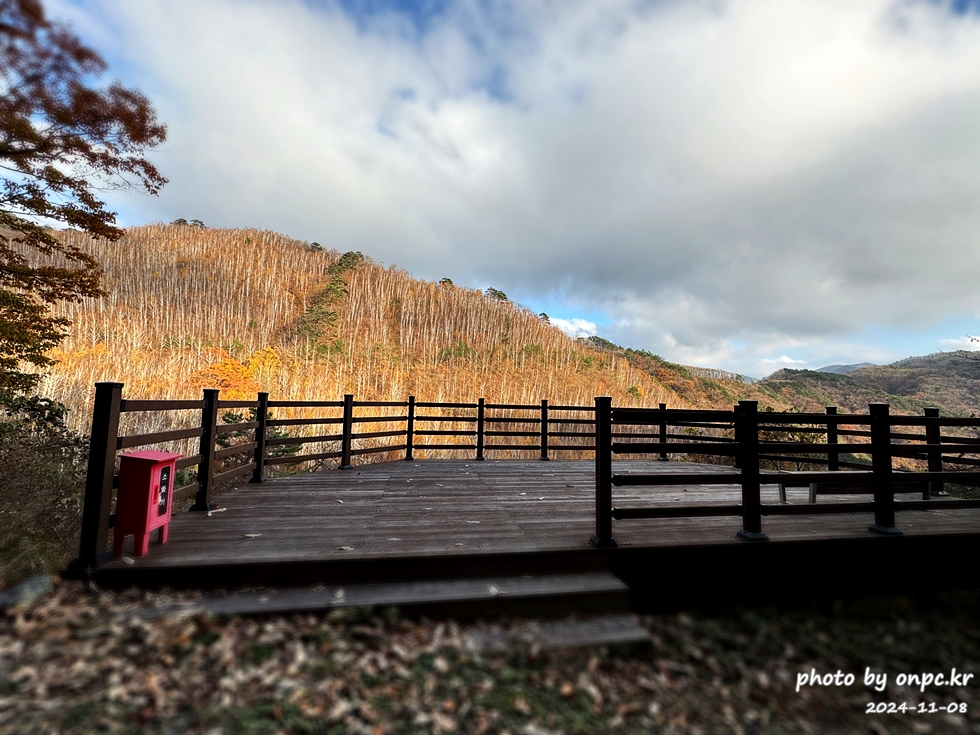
<point>259,653</point>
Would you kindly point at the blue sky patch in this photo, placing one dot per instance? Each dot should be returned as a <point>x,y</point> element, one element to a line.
<point>421,13</point>
<point>964,7</point>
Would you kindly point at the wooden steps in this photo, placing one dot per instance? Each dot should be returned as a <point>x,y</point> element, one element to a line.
<point>313,572</point>
<point>469,598</point>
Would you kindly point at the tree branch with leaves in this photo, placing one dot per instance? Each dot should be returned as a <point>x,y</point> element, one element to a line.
<point>62,140</point>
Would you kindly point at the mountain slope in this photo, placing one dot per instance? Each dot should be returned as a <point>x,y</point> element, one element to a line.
<point>247,310</point>
<point>697,386</point>
<point>950,381</point>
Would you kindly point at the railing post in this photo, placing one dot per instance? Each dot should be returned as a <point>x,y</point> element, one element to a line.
<point>410,430</point>
<point>205,468</point>
<point>480,409</point>
<point>833,454</point>
<point>663,432</point>
<point>737,434</point>
<point>544,429</point>
<point>881,469</point>
<point>93,547</point>
<point>603,473</point>
<point>934,488</point>
<point>258,457</point>
<point>348,430</point>
<point>748,414</point>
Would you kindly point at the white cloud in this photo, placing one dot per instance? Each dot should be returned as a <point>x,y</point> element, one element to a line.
<point>575,327</point>
<point>785,360</point>
<point>726,180</point>
<point>960,343</point>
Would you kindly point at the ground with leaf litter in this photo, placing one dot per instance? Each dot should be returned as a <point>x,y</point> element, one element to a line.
<point>81,661</point>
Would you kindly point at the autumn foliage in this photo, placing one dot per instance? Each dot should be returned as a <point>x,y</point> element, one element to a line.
<point>61,140</point>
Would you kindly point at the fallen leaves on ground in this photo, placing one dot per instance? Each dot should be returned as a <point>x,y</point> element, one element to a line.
<point>79,661</point>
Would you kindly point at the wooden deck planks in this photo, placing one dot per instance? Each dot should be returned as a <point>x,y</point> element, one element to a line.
<point>453,507</point>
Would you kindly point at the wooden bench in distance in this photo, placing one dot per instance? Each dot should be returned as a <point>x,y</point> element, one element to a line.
<point>858,487</point>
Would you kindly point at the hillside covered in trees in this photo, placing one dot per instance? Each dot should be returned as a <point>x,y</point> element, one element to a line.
<point>246,310</point>
<point>948,380</point>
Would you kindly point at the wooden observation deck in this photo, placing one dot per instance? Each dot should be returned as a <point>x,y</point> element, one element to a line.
<point>656,534</point>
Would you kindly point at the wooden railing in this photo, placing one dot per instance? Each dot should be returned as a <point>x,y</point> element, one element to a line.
<point>746,437</point>
<point>743,438</point>
<point>490,428</point>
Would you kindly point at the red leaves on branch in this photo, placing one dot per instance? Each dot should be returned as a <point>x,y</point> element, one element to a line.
<point>61,141</point>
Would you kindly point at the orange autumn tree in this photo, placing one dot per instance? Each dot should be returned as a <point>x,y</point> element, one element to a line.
<point>236,381</point>
<point>233,378</point>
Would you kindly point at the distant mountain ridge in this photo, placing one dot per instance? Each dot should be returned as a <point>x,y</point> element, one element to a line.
<point>926,358</point>
<point>947,380</point>
<point>844,369</point>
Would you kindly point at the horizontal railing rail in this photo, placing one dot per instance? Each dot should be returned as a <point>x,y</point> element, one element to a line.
<point>158,405</point>
<point>752,438</point>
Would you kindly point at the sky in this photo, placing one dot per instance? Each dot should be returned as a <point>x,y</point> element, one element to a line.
<point>744,185</point>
